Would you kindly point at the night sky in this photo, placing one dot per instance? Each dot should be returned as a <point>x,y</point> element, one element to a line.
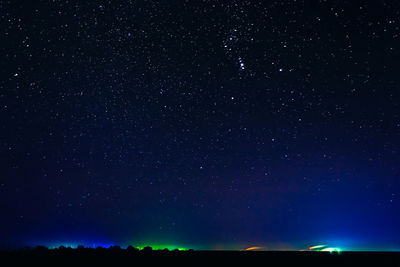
<point>200,124</point>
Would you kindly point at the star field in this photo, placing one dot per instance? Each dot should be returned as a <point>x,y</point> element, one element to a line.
<point>210,123</point>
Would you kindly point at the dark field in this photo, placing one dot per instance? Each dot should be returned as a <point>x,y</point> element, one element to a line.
<point>93,257</point>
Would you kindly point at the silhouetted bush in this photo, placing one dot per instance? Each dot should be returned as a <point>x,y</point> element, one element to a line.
<point>131,249</point>
<point>115,248</point>
<point>41,248</point>
<point>147,249</point>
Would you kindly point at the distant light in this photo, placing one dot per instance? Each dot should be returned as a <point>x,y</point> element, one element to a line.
<point>316,247</point>
<point>331,249</point>
<point>253,248</point>
<point>325,248</point>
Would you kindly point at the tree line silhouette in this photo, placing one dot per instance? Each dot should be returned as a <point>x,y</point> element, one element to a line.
<point>81,248</point>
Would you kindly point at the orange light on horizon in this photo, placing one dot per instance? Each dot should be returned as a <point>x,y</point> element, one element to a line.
<point>253,248</point>
<point>316,247</point>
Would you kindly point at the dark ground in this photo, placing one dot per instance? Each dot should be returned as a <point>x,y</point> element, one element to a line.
<point>92,257</point>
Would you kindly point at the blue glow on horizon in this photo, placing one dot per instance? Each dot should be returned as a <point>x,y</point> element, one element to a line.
<point>76,244</point>
<point>73,244</point>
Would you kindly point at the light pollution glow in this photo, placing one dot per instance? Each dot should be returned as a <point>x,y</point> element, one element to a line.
<point>324,248</point>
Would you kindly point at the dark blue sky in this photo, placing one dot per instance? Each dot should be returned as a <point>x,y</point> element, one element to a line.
<point>206,124</point>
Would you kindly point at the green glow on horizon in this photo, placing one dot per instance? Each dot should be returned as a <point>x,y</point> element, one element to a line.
<point>325,248</point>
<point>338,250</point>
<point>160,246</point>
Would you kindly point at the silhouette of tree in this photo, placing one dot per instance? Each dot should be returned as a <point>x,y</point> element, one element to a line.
<point>41,248</point>
<point>131,249</point>
<point>147,249</point>
<point>115,248</point>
